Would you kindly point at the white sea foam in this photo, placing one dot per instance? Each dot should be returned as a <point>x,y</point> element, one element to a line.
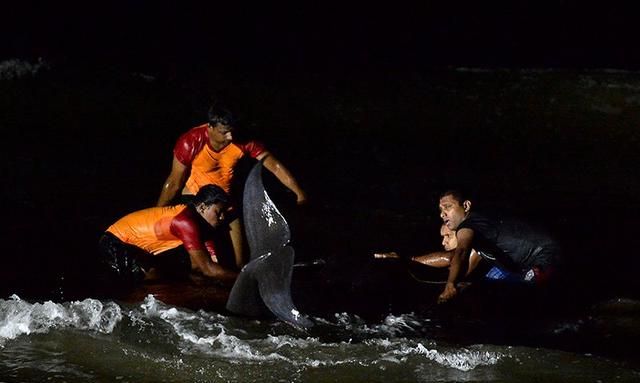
<point>219,338</point>
<point>234,341</point>
<point>16,69</point>
<point>391,326</point>
<point>394,325</point>
<point>292,342</point>
<point>212,339</point>
<point>461,359</point>
<point>18,317</point>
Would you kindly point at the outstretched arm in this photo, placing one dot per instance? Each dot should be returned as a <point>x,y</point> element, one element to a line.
<point>174,183</point>
<point>201,262</point>
<point>435,259</point>
<point>459,261</point>
<point>283,175</point>
<point>443,259</point>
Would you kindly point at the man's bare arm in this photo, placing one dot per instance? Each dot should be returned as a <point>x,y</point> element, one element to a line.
<point>202,263</point>
<point>283,175</point>
<point>174,183</point>
<point>459,261</point>
<point>435,259</point>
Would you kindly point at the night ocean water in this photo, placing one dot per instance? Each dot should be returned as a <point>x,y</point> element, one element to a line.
<point>87,144</point>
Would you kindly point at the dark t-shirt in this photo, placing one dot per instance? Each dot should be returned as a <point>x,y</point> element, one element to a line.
<point>512,244</point>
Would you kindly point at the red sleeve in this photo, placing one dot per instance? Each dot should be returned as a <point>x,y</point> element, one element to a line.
<point>190,144</point>
<point>185,227</point>
<point>252,148</point>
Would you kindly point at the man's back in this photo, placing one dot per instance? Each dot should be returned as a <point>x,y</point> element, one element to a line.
<point>511,243</point>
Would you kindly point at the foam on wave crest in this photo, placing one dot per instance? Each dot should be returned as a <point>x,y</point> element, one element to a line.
<point>201,332</point>
<point>352,342</point>
<point>18,317</point>
<point>461,359</point>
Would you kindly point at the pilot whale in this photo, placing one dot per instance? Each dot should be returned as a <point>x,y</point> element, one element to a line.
<point>264,284</point>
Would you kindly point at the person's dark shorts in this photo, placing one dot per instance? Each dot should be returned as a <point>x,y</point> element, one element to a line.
<point>128,264</point>
<point>120,260</point>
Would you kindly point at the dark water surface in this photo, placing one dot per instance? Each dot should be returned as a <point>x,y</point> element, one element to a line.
<point>85,146</point>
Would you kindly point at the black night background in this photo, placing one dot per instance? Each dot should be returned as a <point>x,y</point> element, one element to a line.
<point>376,108</point>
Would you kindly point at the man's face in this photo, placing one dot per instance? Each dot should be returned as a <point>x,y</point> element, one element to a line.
<point>452,211</point>
<point>449,240</point>
<point>220,135</point>
<point>214,214</point>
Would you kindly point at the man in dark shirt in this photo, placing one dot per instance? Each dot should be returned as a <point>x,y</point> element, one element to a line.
<point>510,244</point>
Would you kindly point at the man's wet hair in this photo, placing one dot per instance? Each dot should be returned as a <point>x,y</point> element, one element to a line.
<point>209,195</point>
<point>218,114</point>
<point>457,194</point>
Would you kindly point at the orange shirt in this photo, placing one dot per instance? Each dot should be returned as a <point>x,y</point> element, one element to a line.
<point>207,165</point>
<point>159,229</point>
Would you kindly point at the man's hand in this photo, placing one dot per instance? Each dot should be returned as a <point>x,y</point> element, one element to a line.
<point>389,255</point>
<point>448,293</point>
<point>301,198</point>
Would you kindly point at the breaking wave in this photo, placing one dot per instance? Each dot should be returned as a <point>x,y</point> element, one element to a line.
<point>18,317</point>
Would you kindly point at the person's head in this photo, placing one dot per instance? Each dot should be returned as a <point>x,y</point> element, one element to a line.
<point>220,126</point>
<point>454,208</point>
<point>211,202</point>
<point>449,240</point>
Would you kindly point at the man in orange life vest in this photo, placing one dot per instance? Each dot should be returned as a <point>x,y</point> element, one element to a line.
<point>130,246</point>
<point>207,154</point>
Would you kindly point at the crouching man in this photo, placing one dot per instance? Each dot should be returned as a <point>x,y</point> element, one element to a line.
<point>130,246</point>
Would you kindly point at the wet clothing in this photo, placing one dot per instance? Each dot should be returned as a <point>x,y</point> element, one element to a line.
<point>149,237</point>
<point>120,259</point>
<point>208,166</point>
<point>127,264</point>
<point>519,250</point>
<point>158,229</point>
<point>534,275</point>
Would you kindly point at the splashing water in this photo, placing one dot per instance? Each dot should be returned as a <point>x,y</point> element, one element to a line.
<point>153,341</point>
<point>22,318</point>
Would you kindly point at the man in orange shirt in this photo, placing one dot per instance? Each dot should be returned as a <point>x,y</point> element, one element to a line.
<point>207,154</point>
<point>130,245</point>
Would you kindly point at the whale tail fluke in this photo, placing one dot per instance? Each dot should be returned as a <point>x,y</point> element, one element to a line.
<point>264,284</point>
